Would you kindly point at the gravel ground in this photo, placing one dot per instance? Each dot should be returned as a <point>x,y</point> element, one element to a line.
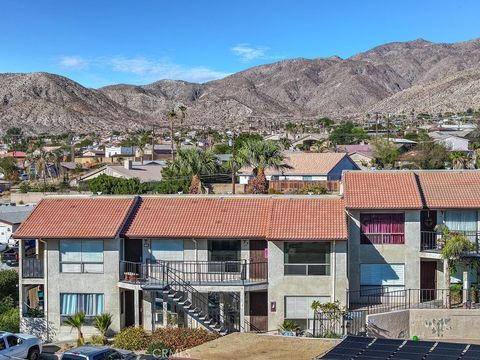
<point>259,347</point>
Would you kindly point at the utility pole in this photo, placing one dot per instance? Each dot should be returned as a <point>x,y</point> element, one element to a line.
<point>153,143</point>
<point>376,125</point>
<point>388,127</point>
<point>234,165</point>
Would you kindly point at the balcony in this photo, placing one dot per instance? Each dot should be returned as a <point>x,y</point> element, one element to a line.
<point>241,272</point>
<point>432,241</point>
<point>32,268</point>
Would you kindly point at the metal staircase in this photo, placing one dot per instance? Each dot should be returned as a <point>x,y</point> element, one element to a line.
<point>195,304</point>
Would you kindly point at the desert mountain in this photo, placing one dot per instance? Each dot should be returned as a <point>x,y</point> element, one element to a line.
<point>394,77</point>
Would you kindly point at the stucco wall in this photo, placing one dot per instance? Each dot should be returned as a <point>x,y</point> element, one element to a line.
<point>407,254</point>
<point>461,324</point>
<point>280,285</point>
<point>393,325</point>
<point>105,283</point>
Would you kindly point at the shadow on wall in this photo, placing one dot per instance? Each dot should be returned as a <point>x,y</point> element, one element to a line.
<point>39,328</point>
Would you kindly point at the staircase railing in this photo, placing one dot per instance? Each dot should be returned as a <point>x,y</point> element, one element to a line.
<point>187,292</point>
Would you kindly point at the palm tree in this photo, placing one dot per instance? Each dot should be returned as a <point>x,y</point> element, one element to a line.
<point>262,155</point>
<point>194,163</point>
<point>102,324</point>
<point>173,117</point>
<point>459,160</point>
<point>42,159</point>
<point>76,322</point>
<point>455,245</point>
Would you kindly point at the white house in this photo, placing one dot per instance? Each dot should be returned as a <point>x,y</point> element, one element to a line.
<point>119,151</point>
<point>304,166</point>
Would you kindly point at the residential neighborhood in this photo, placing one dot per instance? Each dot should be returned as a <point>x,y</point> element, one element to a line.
<point>215,180</point>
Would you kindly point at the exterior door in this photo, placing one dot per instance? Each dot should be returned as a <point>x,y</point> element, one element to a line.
<point>133,250</point>
<point>428,220</point>
<point>258,311</point>
<point>258,259</point>
<point>428,280</point>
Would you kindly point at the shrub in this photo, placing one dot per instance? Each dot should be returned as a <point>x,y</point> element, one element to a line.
<point>96,340</point>
<point>9,316</point>
<point>158,349</point>
<point>456,294</point>
<point>179,339</point>
<point>289,325</point>
<point>131,338</point>
<point>8,284</point>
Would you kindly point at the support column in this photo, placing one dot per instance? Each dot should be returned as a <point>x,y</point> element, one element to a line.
<point>136,306</point>
<point>466,288</point>
<point>165,311</point>
<point>242,309</point>
<point>221,306</point>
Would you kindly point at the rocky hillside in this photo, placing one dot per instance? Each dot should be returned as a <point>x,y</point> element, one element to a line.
<point>392,78</point>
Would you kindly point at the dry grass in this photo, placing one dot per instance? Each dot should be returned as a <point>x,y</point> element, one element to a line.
<point>259,347</point>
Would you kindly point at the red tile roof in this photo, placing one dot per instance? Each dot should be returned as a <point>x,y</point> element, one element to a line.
<point>308,219</point>
<point>450,189</point>
<point>381,190</point>
<point>57,218</point>
<point>200,217</point>
<point>241,217</point>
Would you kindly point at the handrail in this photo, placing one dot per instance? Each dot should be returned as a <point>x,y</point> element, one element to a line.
<point>197,299</point>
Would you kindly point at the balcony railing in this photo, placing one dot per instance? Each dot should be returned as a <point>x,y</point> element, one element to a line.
<point>197,272</point>
<point>434,241</point>
<point>32,268</point>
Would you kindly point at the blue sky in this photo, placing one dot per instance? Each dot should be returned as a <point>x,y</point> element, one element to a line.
<point>101,42</point>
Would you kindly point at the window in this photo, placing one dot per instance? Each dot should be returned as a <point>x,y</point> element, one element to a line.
<point>224,256</point>
<point>81,256</point>
<point>382,228</point>
<point>2,344</point>
<point>90,304</point>
<point>299,309</point>
<point>382,275</point>
<point>12,341</point>
<point>307,258</point>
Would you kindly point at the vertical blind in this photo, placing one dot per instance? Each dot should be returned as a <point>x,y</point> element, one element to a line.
<point>75,253</point>
<point>382,274</point>
<point>90,304</point>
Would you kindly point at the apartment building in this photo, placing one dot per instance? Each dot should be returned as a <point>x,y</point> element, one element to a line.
<point>394,220</point>
<point>241,263</point>
<point>223,263</point>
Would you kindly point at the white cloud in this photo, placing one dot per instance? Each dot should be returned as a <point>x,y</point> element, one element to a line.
<point>163,69</point>
<point>248,53</point>
<point>73,62</point>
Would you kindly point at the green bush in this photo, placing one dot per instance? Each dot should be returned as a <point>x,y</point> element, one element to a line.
<point>159,349</point>
<point>96,340</point>
<point>8,284</point>
<point>132,338</point>
<point>180,339</point>
<point>456,292</point>
<point>9,316</point>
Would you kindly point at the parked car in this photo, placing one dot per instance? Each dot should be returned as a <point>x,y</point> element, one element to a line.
<point>97,353</point>
<point>24,346</point>
<point>10,256</point>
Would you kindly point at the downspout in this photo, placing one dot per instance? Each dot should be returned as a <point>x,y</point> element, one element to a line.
<point>45,290</point>
<point>334,270</point>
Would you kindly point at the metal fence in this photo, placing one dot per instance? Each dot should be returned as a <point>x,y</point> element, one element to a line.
<point>381,300</point>
<point>338,324</point>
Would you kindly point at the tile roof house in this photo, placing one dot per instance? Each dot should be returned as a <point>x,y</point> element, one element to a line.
<point>381,190</point>
<point>306,166</point>
<point>78,218</point>
<point>116,253</point>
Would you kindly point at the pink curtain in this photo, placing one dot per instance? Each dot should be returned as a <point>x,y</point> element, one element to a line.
<point>382,228</point>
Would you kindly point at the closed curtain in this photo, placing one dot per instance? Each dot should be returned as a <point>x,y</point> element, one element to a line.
<point>462,220</point>
<point>383,228</point>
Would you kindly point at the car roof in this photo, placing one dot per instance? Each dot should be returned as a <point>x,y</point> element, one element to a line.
<point>87,350</point>
<point>3,333</point>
